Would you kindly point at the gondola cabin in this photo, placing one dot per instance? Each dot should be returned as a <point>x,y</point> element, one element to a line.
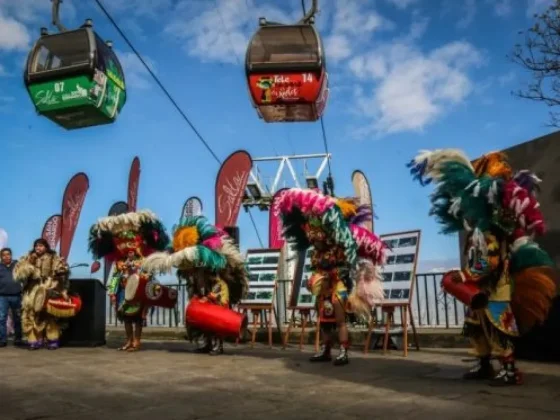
<point>286,73</point>
<point>75,79</point>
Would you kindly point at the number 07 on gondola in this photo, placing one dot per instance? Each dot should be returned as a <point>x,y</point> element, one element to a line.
<point>74,78</point>
<point>286,73</point>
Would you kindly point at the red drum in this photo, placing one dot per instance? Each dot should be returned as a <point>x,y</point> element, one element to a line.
<point>466,292</point>
<point>215,319</point>
<point>61,308</point>
<point>136,287</point>
<point>160,295</point>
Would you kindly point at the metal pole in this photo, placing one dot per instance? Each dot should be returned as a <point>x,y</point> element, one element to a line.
<point>56,15</point>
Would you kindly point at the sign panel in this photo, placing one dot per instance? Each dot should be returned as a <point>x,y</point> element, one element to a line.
<point>301,298</point>
<point>262,265</point>
<point>399,272</point>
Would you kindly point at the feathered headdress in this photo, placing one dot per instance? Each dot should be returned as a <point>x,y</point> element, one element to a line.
<point>485,196</point>
<point>489,196</point>
<point>113,237</point>
<point>302,211</point>
<point>199,244</point>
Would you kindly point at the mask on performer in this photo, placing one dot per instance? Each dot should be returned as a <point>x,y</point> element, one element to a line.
<point>483,254</point>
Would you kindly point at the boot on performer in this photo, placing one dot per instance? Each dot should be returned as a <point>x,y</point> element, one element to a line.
<point>324,354</point>
<point>482,371</point>
<point>342,358</point>
<point>508,374</point>
<point>218,347</point>
<point>206,347</point>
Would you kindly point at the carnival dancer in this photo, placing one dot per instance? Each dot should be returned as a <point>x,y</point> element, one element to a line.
<point>42,268</point>
<point>126,239</point>
<point>311,219</point>
<point>212,266</point>
<point>499,211</point>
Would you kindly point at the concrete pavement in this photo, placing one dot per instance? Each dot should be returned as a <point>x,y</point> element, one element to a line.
<point>165,382</point>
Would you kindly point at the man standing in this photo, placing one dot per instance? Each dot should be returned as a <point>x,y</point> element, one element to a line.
<point>10,298</point>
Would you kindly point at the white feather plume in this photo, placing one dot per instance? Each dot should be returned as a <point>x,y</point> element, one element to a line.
<point>436,158</point>
<point>125,221</point>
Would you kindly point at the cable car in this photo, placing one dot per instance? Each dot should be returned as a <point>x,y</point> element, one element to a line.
<point>285,66</point>
<point>75,79</point>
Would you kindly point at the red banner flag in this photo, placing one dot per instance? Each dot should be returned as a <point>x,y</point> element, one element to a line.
<point>275,234</point>
<point>363,192</point>
<point>230,187</point>
<point>72,203</point>
<point>133,182</point>
<point>52,230</point>
<point>120,207</point>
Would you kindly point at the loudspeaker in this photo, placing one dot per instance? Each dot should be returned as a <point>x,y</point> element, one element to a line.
<point>541,343</point>
<point>87,329</point>
<point>233,231</point>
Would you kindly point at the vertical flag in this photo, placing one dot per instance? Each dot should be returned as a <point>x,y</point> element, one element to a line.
<point>117,208</point>
<point>133,182</point>
<point>230,187</point>
<point>363,192</point>
<point>52,230</point>
<point>72,202</point>
<point>3,238</point>
<point>192,207</point>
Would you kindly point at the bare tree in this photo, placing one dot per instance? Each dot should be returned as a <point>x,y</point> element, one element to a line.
<point>540,55</point>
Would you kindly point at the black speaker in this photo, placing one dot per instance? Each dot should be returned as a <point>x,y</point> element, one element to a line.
<point>541,343</point>
<point>233,231</point>
<point>87,329</point>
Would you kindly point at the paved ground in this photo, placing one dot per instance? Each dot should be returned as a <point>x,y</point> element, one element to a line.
<point>165,382</point>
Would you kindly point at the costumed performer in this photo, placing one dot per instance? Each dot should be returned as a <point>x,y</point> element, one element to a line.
<point>212,266</point>
<point>126,239</point>
<point>42,268</point>
<point>311,219</point>
<point>499,211</point>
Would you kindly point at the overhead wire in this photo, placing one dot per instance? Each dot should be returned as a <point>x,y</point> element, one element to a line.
<point>324,132</point>
<point>169,97</point>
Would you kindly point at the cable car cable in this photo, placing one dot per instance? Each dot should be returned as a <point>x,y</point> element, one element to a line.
<point>156,79</point>
<point>168,95</point>
<point>329,184</point>
<point>228,33</point>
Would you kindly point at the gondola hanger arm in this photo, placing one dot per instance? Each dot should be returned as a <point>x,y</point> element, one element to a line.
<point>310,15</point>
<point>308,19</point>
<point>56,15</point>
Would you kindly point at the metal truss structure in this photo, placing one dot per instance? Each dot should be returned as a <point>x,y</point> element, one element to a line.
<point>259,194</point>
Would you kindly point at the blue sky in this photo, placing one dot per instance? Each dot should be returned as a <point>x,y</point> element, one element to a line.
<point>405,75</point>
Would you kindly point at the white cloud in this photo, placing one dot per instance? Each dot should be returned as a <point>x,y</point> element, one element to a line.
<point>468,12</point>
<point>135,73</point>
<point>538,6</point>
<point>13,34</point>
<point>220,34</point>
<point>412,89</point>
<point>506,79</point>
<point>6,103</point>
<point>338,47</point>
<point>402,4</point>
<point>36,11</point>
<point>502,8</point>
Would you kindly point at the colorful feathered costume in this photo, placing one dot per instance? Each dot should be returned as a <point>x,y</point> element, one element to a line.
<point>41,268</point>
<point>344,255</point>
<point>499,211</point>
<point>126,239</point>
<point>208,260</point>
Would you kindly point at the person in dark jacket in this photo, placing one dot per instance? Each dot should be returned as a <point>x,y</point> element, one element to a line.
<point>10,298</point>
